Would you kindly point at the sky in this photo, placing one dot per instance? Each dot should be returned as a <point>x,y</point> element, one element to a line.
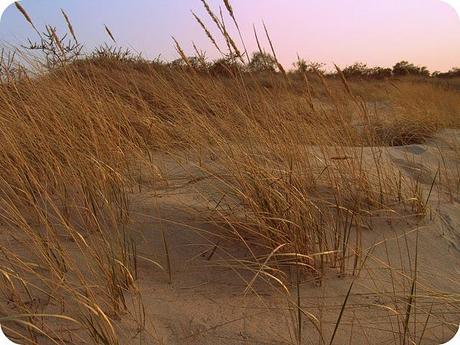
<point>377,32</point>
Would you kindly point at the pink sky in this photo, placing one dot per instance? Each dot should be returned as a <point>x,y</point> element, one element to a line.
<point>378,32</point>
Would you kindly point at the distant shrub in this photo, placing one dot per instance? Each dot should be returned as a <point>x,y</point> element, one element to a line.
<point>302,66</point>
<point>57,50</point>
<point>226,67</point>
<point>360,70</point>
<point>453,73</point>
<point>380,73</point>
<point>113,53</point>
<point>262,62</point>
<point>196,63</point>
<point>404,68</point>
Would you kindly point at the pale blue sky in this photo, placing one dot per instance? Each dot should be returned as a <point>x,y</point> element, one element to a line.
<point>379,32</point>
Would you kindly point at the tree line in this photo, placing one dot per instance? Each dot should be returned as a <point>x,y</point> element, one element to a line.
<point>265,62</point>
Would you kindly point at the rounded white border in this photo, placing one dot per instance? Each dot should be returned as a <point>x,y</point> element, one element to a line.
<point>455,340</point>
<point>455,4</point>
<point>4,340</point>
<point>3,6</point>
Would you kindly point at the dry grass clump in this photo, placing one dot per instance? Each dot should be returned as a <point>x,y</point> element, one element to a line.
<point>418,109</point>
<point>65,173</point>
